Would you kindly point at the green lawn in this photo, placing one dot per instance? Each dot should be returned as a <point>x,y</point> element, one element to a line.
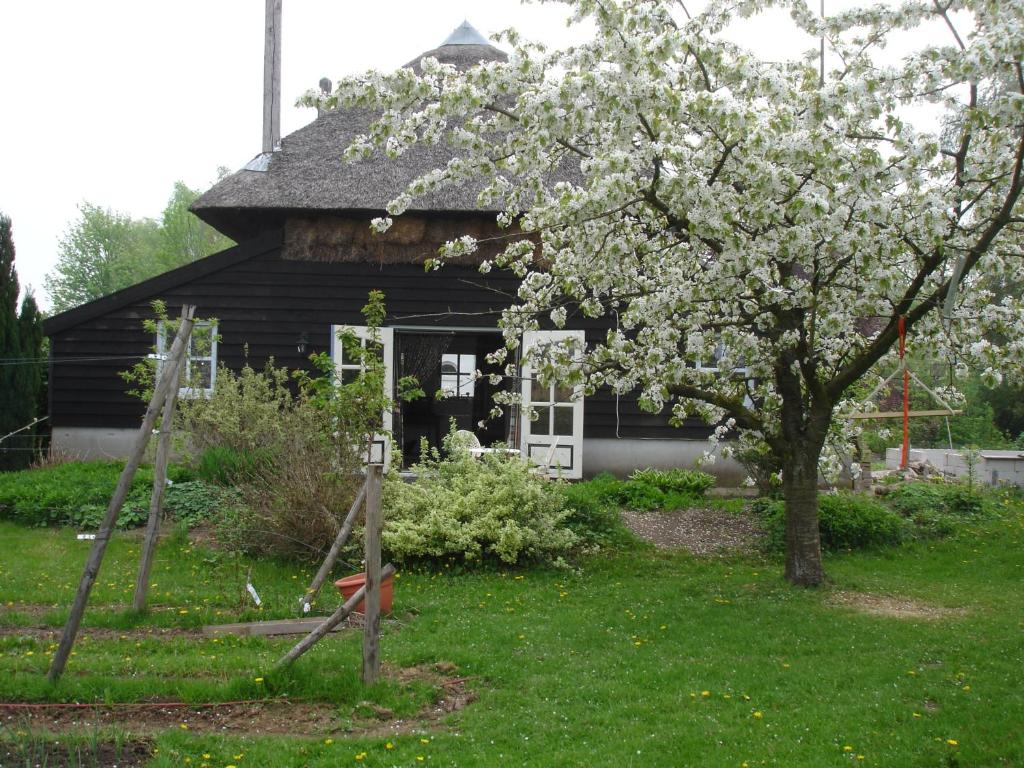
<point>640,658</point>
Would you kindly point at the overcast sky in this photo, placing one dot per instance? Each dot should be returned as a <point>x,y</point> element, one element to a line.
<point>112,101</point>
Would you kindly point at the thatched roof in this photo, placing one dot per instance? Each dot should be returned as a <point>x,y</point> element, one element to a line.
<point>308,174</point>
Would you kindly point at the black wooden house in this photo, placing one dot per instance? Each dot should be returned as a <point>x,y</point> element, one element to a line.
<point>305,263</point>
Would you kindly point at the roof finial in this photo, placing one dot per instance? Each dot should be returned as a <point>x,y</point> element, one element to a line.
<point>466,34</point>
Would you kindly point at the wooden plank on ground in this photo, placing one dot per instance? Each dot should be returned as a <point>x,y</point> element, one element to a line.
<point>282,627</point>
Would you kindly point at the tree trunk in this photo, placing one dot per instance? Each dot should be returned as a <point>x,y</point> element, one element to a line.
<point>803,542</point>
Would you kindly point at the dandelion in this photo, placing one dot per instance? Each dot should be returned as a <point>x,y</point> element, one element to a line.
<point>424,741</point>
<point>420,758</point>
<point>758,714</point>
<point>847,748</point>
<point>184,726</point>
<point>389,745</point>
<point>705,694</point>
<point>360,756</point>
<point>952,742</point>
<point>258,679</point>
<point>328,742</point>
<point>206,755</point>
<point>860,757</point>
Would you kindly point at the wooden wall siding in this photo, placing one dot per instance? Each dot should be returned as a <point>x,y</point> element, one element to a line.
<point>265,303</point>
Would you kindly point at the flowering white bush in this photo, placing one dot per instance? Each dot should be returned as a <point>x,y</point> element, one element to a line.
<point>724,202</point>
<point>475,510</point>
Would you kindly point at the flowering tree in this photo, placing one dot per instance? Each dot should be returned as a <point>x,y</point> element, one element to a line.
<point>714,200</point>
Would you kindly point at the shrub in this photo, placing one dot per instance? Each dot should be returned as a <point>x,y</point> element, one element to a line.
<point>935,509</point>
<point>228,467</point>
<point>593,513</point>
<point>845,521</point>
<point>76,493</point>
<point>684,481</point>
<point>476,510</point>
<point>197,501</point>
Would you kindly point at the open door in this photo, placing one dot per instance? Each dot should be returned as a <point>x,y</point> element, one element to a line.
<point>555,437</point>
<point>348,367</point>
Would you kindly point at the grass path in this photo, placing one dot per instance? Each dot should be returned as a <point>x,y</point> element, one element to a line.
<point>641,658</point>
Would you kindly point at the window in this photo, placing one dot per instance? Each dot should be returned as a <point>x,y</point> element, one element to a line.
<point>553,405</point>
<point>350,355</point>
<point>200,374</point>
<point>458,374</point>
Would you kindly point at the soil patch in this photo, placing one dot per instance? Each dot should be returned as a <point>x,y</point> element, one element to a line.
<point>277,716</point>
<point>34,752</point>
<point>699,530</point>
<point>100,633</point>
<point>892,607</point>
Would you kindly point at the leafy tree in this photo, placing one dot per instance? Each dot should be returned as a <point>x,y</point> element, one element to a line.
<point>183,236</point>
<point>104,250</point>
<point>725,199</point>
<point>21,340</point>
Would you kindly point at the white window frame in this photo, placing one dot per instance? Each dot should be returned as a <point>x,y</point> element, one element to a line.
<point>380,452</point>
<point>163,348</point>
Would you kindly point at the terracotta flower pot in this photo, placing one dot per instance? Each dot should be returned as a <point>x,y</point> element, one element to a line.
<point>351,584</point>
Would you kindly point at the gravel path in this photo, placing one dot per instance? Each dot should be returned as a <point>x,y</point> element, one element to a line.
<point>699,530</point>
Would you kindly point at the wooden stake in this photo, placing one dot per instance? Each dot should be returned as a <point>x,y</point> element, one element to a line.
<point>99,546</point>
<point>332,621</point>
<point>371,611</point>
<point>332,555</point>
<point>156,500</point>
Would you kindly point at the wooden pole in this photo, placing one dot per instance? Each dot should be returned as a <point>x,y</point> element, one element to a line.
<point>99,546</point>
<point>905,448</point>
<point>272,77</point>
<point>332,555</point>
<point>371,611</point>
<point>329,623</point>
<point>156,501</point>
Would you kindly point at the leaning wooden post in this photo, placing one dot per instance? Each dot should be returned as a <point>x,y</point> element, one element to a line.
<point>329,623</point>
<point>371,611</point>
<point>332,555</point>
<point>156,501</point>
<point>99,546</point>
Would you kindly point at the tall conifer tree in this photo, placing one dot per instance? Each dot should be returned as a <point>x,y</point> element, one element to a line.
<point>21,340</point>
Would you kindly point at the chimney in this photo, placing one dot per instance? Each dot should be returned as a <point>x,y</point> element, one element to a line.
<point>272,78</point>
<point>325,88</point>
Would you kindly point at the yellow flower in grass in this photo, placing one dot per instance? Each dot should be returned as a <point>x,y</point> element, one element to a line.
<point>847,748</point>
<point>389,745</point>
<point>952,742</point>
<point>758,714</point>
<point>258,680</point>
<point>328,742</point>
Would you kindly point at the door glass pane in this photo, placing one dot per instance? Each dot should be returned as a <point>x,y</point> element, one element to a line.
<point>375,348</point>
<point>563,420</point>
<point>539,393</point>
<point>349,375</point>
<point>563,394</point>
<point>542,426</point>
<point>350,347</point>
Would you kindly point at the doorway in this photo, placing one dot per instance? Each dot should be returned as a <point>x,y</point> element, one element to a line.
<point>445,363</point>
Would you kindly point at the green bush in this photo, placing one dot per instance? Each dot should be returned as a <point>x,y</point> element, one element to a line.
<point>493,509</point>
<point>228,467</point>
<point>648,489</point>
<point>594,513</point>
<point>845,521</point>
<point>935,509</point>
<point>683,481</point>
<point>76,493</point>
<point>197,501</point>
